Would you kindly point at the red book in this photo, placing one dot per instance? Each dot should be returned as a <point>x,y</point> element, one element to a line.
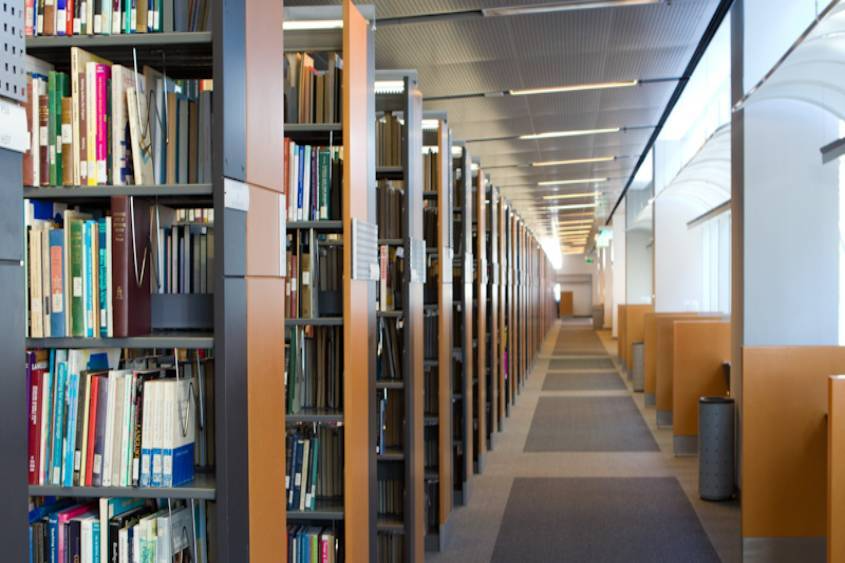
<point>34,435</point>
<point>91,430</point>
<point>28,162</point>
<point>69,17</point>
<point>43,143</point>
<point>102,146</point>
<point>130,286</point>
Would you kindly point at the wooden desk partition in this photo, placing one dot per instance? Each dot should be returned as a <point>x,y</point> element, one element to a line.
<point>700,350</point>
<point>621,318</point>
<point>634,329</point>
<point>784,451</point>
<point>836,469</point>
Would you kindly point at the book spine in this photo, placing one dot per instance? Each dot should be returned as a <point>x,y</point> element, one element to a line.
<point>120,265</point>
<point>88,278</point>
<point>44,434</point>
<point>33,437</point>
<point>68,21</point>
<point>57,276</point>
<point>58,419</point>
<point>87,478</point>
<point>103,276</point>
<point>52,111</point>
<point>76,252</point>
<point>103,75</point>
<point>61,16</point>
<point>69,442</point>
<point>100,431</point>
<point>66,140</point>
<point>29,18</point>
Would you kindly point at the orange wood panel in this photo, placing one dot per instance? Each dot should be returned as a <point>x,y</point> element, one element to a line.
<point>264,83</point>
<point>701,347</point>
<point>266,417</point>
<point>444,217</point>
<point>664,359</point>
<point>503,335</point>
<point>357,304</point>
<point>263,233</point>
<point>650,340</point>
<point>634,328</point>
<point>836,470</point>
<point>481,297</point>
<point>784,439</point>
<point>622,319</point>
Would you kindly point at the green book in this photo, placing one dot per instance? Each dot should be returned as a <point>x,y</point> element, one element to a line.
<point>324,164</point>
<point>62,90</point>
<point>76,250</point>
<point>53,102</point>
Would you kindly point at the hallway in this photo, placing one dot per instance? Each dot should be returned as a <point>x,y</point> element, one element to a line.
<point>581,473</point>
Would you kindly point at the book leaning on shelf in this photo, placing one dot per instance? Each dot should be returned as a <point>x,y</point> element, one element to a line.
<point>313,88</point>
<point>112,17</point>
<point>93,423</point>
<point>117,530</point>
<point>104,124</point>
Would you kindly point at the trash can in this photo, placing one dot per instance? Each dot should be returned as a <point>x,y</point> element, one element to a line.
<point>598,317</point>
<point>716,448</point>
<point>638,369</point>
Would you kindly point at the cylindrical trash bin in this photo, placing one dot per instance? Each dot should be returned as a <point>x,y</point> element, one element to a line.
<point>716,448</point>
<point>598,317</point>
<point>638,369</point>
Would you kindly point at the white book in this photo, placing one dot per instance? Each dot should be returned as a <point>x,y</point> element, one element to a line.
<point>179,437</point>
<point>128,417</point>
<point>123,545</point>
<point>87,539</point>
<point>117,432</point>
<point>157,430</point>
<point>88,328</point>
<point>167,401</point>
<point>137,531</point>
<point>108,447</point>
<point>147,434</point>
<point>36,287</point>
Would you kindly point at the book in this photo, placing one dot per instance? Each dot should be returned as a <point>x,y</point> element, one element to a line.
<point>130,282</point>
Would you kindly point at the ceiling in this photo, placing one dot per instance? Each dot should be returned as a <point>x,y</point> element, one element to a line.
<point>454,56</point>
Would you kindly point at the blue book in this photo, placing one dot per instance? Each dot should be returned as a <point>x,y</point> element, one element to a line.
<point>61,14</point>
<point>58,421</point>
<point>103,284</point>
<point>54,537</point>
<point>178,445</point>
<point>57,294</point>
<point>88,249</point>
<point>45,510</point>
<point>95,540</point>
<point>300,213</point>
<point>69,444</point>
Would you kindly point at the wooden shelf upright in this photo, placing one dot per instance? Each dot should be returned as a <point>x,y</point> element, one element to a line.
<point>354,517</point>
<point>439,367</point>
<point>494,316</point>
<point>464,405</point>
<point>482,387</point>
<point>407,102</point>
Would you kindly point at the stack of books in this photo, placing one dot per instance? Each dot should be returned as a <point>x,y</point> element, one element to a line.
<point>389,140</point>
<point>314,466</point>
<point>112,17</point>
<point>104,124</point>
<point>313,180</point>
<point>313,83</point>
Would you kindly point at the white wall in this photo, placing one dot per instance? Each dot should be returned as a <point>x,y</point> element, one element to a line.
<point>618,253</point>
<point>639,266</point>
<point>677,259</point>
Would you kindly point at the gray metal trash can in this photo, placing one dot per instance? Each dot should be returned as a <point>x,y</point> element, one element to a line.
<point>598,317</point>
<point>716,449</point>
<point>638,369</point>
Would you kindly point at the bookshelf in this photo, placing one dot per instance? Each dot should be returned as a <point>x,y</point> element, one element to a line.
<point>485,393</point>
<point>438,334</point>
<point>245,338</point>
<point>347,508</point>
<point>510,288</point>
<point>464,394</point>
<point>404,462</point>
<point>494,355</point>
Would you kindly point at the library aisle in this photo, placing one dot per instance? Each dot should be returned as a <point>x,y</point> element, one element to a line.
<point>581,473</point>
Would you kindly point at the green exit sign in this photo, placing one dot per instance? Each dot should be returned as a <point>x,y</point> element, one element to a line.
<point>588,260</point>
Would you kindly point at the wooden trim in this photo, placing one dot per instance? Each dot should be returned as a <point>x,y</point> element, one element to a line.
<point>665,349</point>
<point>634,329</point>
<point>783,439</point>
<point>481,310</point>
<point>359,463</point>
<point>836,469</point>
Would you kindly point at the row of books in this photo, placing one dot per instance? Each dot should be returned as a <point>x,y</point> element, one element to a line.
<point>184,254</point>
<point>430,394</point>
<point>431,178</point>
<point>391,274</point>
<point>431,322</point>
<point>313,181</point>
<point>391,547</point>
<point>112,17</point>
<point>389,140</point>
<point>313,466</point>
<point>390,349</point>
<point>389,198</point>
<point>391,498</point>
<point>313,377</point>
<point>390,418</point>
<point>104,124</point>
<point>313,88</point>
<point>117,531</point>
<point>313,544</point>
<point>314,285</point>
<point>92,424</point>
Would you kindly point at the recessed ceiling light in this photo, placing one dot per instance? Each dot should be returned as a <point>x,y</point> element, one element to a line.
<point>573,88</point>
<point>310,25</point>
<point>574,161</point>
<point>571,133</point>
<point>430,124</point>
<point>389,86</point>
<point>569,196</point>
<point>572,206</point>
<point>574,181</point>
<point>571,6</point>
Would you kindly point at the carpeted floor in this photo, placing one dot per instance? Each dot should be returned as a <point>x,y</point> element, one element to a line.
<point>559,364</point>
<point>583,381</point>
<point>601,521</point>
<point>588,424</point>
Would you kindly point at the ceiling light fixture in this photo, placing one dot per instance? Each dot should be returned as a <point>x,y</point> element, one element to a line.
<point>574,161</point>
<point>389,86</point>
<point>572,206</point>
<point>573,181</point>
<point>571,133</point>
<point>574,88</point>
<point>571,6</point>
<point>569,196</point>
<point>311,25</point>
<point>430,124</point>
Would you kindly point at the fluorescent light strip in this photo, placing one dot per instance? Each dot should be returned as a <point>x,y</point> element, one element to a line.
<point>572,206</point>
<point>311,25</point>
<point>572,133</point>
<point>573,88</point>
<point>430,124</point>
<point>553,7</point>
<point>576,222</point>
<point>570,196</point>
<point>389,86</point>
<point>573,182</point>
<point>574,161</point>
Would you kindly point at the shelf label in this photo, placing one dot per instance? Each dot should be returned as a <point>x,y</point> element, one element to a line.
<point>417,260</point>
<point>365,266</point>
<point>235,195</point>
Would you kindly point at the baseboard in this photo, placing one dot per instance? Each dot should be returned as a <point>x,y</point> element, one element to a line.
<point>650,399</point>
<point>685,445</point>
<point>664,419</point>
<point>784,549</point>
